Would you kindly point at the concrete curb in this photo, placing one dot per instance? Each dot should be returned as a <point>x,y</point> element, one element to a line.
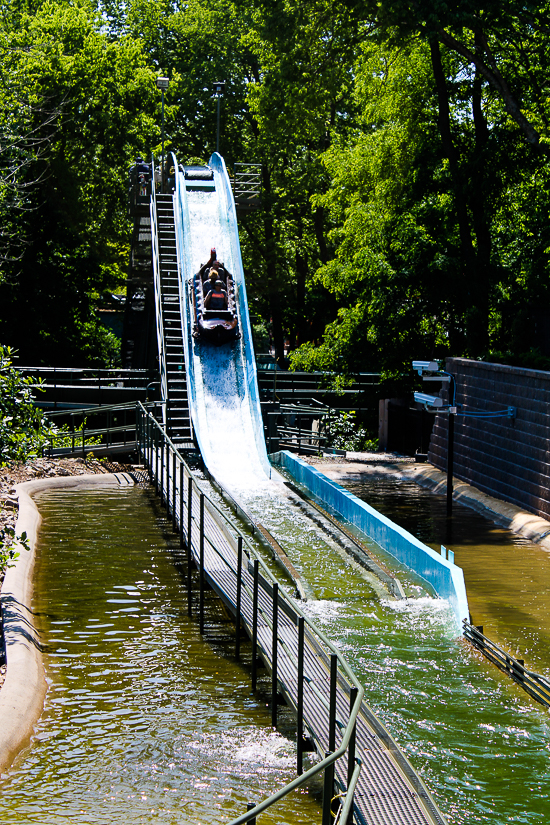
<point>23,692</point>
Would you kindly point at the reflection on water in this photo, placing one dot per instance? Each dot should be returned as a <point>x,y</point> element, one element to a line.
<point>507,577</point>
<point>144,721</point>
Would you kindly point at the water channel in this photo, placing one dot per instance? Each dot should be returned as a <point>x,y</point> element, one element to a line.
<point>507,576</point>
<point>147,722</point>
<point>144,720</point>
<point>480,743</point>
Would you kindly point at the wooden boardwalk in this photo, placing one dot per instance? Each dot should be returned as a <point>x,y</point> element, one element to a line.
<point>305,667</point>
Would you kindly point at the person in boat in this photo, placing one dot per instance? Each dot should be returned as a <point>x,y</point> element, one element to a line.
<point>210,281</point>
<point>217,297</point>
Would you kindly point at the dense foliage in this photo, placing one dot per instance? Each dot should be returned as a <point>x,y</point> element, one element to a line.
<point>405,150</point>
<point>23,427</point>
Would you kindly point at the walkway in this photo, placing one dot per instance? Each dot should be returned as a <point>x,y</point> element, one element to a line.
<point>388,791</point>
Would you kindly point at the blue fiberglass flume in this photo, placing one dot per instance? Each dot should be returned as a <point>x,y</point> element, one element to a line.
<point>222,382</point>
<point>223,389</point>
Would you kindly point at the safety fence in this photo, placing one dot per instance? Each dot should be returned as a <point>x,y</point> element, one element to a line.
<point>534,684</point>
<point>297,427</point>
<point>98,430</point>
<point>288,386</point>
<point>90,377</point>
<point>77,387</point>
<point>306,669</point>
<point>276,626</point>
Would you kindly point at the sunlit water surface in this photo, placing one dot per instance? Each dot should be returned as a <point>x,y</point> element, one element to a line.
<point>480,743</point>
<point>507,577</point>
<point>144,721</point>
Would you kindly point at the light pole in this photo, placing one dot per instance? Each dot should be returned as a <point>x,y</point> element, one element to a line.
<point>162,84</point>
<point>219,87</point>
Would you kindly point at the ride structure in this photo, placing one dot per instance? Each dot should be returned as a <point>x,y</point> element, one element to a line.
<point>223,395</point>
<point>223,403</point>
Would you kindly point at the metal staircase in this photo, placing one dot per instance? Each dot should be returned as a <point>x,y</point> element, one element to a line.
<point>169,322</point>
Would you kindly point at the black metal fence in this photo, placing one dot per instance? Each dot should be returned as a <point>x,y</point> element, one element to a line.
<point>291,387</point>
<point>98,430</point>
<point>534,684</point>
<point>66,387</point>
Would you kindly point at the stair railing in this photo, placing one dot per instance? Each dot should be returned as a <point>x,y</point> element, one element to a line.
<point>158,294</point>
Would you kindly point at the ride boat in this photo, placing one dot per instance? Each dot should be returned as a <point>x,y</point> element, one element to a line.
<point>215,325</point>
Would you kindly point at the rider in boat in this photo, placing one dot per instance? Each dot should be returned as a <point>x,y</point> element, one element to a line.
<point>217,297</point>
<point>210,281</point>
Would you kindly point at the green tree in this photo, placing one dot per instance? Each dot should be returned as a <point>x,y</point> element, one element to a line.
<point>23,428</point>
<point>73,228</point>
<point>437,201</point>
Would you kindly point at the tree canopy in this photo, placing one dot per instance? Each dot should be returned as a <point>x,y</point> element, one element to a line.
<point>405,156</point>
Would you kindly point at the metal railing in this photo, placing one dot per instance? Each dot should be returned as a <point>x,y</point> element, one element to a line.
<point>90,377</point>
<point>283,385</point>
<point>75,387</point>
<point>247,185</point>
<point>534,684</point>
<point>205,531</point>
<point>304,439</point>
<point>114,430</point>
<point>158,292</point>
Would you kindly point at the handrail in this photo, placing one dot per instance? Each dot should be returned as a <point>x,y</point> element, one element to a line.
<point>305,777</point>
<point>345,811</point>
<point>86,411</point>
<point>98,370</point>
<point>256,555</point>
<point>533,683</point>
<point>158,296</point>
<point>85,434</point>
<point>333,757</point>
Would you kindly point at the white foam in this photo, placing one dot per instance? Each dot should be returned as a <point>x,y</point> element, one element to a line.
<point>251,746</point>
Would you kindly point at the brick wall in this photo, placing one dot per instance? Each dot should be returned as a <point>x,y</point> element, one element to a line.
<point>507,458</point>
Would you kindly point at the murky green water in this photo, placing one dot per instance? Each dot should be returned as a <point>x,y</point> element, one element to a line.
<point>480,743</point>
<point>144,721</point>
<point>507,577</point>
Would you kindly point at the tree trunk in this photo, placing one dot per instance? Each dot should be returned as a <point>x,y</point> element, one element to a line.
<point>466,293</point>
<point>270,253</point>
